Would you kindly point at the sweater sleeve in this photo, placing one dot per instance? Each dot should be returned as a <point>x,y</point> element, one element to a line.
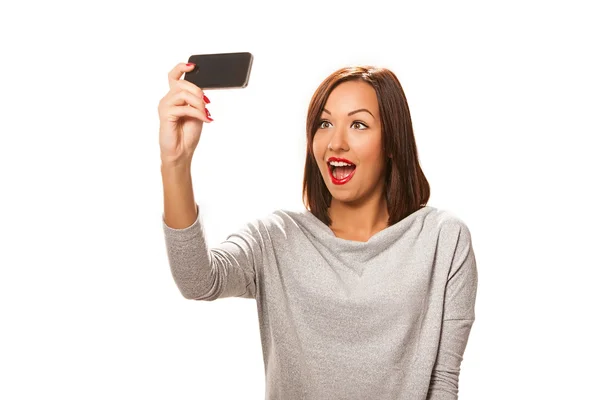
<point>225,270</point>
<point>459,315</point>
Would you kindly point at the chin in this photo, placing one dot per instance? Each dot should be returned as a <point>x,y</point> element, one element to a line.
<point>342,195</point>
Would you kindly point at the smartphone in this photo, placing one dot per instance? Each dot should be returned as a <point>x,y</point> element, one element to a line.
<point>220,71</point>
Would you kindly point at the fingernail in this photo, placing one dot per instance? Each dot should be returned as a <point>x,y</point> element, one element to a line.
<point>208,114</point>
<point>189,64</point>
<point>206,100</point>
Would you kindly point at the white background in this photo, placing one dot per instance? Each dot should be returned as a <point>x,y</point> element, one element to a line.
<point>504,98</point>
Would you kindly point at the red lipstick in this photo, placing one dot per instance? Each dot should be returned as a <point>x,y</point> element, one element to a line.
<point>343,180</point>
<point>340,159</point>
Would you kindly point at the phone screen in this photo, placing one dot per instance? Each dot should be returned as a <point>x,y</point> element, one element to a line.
<point>220,71</point>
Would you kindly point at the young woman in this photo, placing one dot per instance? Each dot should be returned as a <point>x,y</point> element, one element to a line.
<point>368,293</point>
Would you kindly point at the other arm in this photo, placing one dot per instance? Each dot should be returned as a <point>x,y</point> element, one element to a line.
<point>459,315</point>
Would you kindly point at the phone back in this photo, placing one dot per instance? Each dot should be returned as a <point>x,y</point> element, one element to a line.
<point>221,70</point>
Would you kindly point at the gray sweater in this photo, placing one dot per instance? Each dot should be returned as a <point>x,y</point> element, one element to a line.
<point>342,319</point>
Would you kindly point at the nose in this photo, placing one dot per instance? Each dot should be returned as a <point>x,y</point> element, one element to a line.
<point>338,140</point>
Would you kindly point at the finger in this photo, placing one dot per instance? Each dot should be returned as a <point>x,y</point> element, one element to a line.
<point>178,71</point>
<point>192,88</point>
<point>185,86</point>
<point>184,97</point>
<point>176,112</point>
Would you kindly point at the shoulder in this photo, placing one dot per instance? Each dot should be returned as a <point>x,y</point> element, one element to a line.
<point>450,227</point>
<point>450,219</point>
<point>288,220</point>
<point>279,222</point>
<point>453,242</point>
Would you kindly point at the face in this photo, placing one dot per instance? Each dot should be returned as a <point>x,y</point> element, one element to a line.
<point>350,130</point>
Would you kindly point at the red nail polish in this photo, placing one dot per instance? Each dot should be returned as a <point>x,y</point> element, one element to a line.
<point>206,100</point>
<point>208,114</point>
<point>189,64</point>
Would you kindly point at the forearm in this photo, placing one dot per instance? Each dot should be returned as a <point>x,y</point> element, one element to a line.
<point>445,375</point>
<point>179,204</point>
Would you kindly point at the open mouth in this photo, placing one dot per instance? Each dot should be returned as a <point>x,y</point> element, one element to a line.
<point>341,173</point>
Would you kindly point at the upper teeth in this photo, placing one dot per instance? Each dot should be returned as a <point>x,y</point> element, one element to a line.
<point>340,164</point>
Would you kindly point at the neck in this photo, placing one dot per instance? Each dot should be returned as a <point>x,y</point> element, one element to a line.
<point>363,219</point>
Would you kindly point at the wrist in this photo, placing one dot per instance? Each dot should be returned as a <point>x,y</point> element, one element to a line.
<point>176,173</point>
<point>176,165</point>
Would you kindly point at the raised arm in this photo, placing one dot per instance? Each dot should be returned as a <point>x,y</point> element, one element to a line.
<point>200,273</point>
<point>459,315</point>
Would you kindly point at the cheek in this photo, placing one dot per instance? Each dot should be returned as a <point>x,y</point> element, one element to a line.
<point>317,147</point>
<point>369,151</point>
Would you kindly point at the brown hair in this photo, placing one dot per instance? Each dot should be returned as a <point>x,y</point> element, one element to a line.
<point>406,187</point>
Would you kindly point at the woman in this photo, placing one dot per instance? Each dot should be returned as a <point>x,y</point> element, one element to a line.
<point>368,293</point>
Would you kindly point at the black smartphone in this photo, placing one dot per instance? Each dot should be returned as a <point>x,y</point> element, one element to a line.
<point>220,71</point>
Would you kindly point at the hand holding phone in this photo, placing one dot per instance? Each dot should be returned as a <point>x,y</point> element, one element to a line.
<point>182,113</point>
<point>220,71</point>
<point>183,109</point>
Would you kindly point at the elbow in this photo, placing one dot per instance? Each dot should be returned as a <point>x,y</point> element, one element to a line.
<point>188,295</point>
<point>199,279</point>
<point>201,291</point>
<point>198,297</point>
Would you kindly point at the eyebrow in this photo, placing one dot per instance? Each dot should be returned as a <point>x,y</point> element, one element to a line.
<point>352,112</point>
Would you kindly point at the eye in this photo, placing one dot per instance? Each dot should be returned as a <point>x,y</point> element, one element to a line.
<point>323,122</point>
<point>359,123</point>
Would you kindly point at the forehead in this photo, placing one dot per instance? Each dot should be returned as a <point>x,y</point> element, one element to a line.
<point>352,95</point>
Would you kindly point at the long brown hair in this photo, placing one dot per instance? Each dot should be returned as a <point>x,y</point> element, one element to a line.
<point>406,187</point>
